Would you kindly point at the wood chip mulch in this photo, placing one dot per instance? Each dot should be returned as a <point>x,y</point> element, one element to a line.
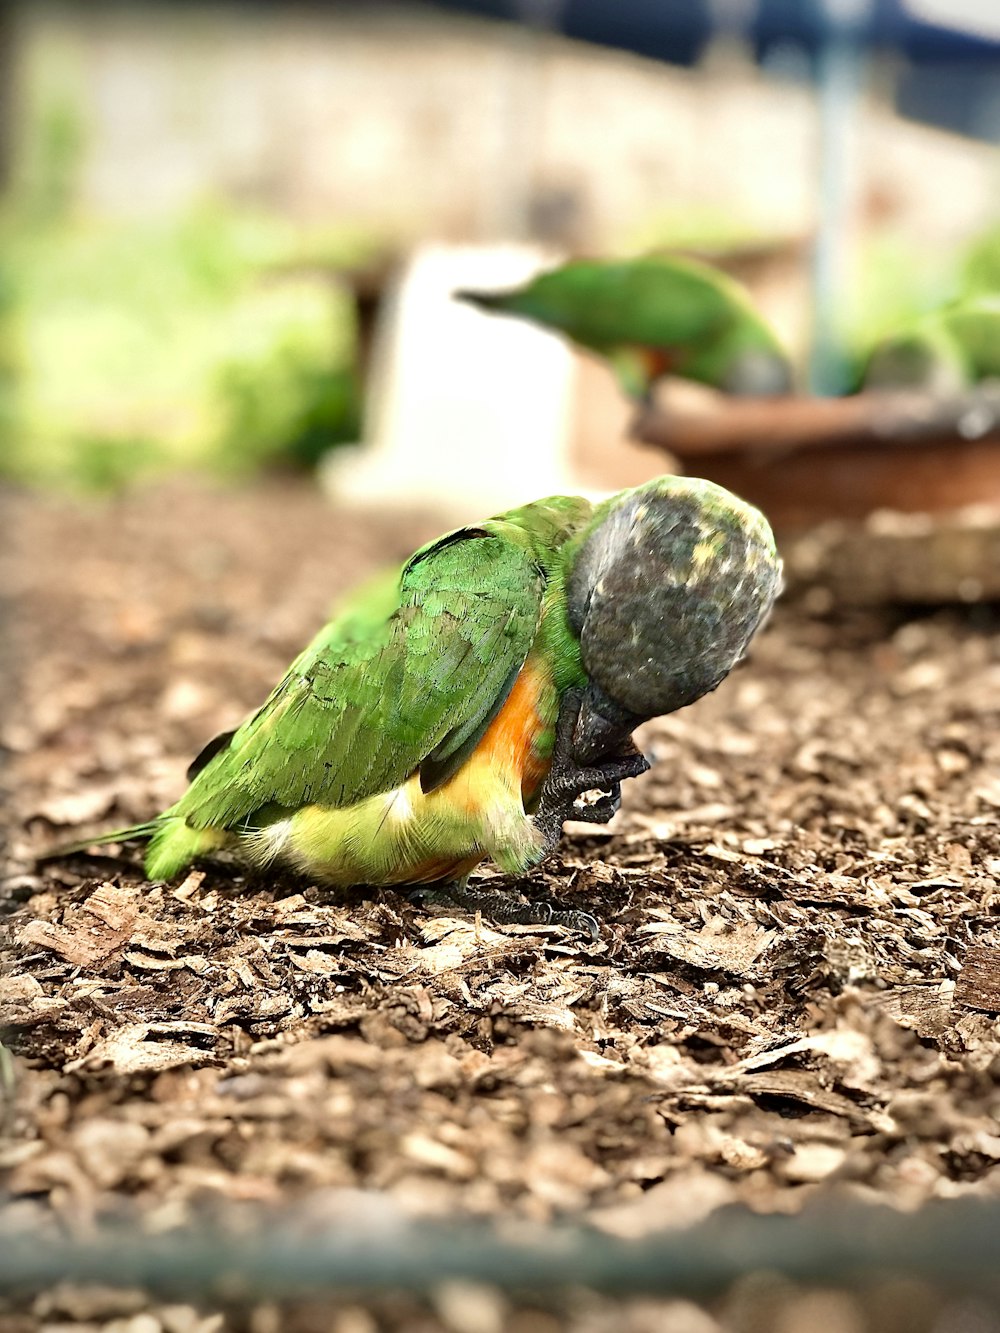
<point>797,985</point>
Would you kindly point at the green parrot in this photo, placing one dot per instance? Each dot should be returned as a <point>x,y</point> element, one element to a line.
<point>946,351</point>
<point>460,708</point>
<point>651,317</point>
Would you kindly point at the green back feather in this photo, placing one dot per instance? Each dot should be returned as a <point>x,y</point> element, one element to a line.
<point>654,301</point>
<point>375,698</point>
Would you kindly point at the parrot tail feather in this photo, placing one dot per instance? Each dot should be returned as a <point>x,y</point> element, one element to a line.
<point>173,844</point>
<point>99,840</point>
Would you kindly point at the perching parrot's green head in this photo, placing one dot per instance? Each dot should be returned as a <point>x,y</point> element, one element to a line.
<point>665,591</point>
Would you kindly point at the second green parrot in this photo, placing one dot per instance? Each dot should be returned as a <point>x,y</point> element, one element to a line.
<point>945,352</point>
<point>654,316</point>
<point>460,709</point>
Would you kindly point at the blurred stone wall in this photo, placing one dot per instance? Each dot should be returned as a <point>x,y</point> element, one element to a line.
<point>409,123</point>
<point>413,121</point>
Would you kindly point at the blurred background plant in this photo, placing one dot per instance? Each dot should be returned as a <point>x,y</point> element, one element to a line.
<point>173,343</point>
<point>213,335</point>
<point>190,193</point>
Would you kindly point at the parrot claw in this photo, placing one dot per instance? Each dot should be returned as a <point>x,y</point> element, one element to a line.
<point>506,910</point>
<point>601,810</point>
<point>570,918</point>
<point>568,780</point>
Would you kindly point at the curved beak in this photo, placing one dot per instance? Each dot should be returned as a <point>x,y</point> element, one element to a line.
<point>601,726</point>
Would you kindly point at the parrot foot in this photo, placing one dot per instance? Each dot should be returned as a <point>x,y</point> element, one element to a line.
<point>568,781</point>
<point>644,418</point>
<point>506,910</point>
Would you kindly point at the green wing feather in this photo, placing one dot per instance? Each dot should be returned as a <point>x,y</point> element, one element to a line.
<point>655,301</point>
<point>375,697</point>
<point>701,316</point>
<point>641,301</point>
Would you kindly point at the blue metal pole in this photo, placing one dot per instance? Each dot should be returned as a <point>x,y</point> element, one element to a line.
<point>840,74</point>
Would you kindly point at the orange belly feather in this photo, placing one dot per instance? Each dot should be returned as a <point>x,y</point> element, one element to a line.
<point>658,361</point>
<point>510,743</point>
<point>505,758</point>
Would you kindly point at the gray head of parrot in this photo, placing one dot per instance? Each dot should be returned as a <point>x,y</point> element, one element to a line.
<point>665,593</point>
<point>756,373</point>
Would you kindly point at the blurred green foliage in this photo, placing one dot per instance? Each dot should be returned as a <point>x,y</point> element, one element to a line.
<point>700,228</point>
<point>219,339</point>
<point>224,338</point>
<point>897,282</point>
<point>899,285</point>
<point>49,161</point>
<point>981,270</point>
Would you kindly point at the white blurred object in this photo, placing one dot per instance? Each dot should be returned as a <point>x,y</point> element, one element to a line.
<point>981,17</point>
<point>466,411</point>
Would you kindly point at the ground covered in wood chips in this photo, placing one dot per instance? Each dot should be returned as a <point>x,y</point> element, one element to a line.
<point>796,987</point>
